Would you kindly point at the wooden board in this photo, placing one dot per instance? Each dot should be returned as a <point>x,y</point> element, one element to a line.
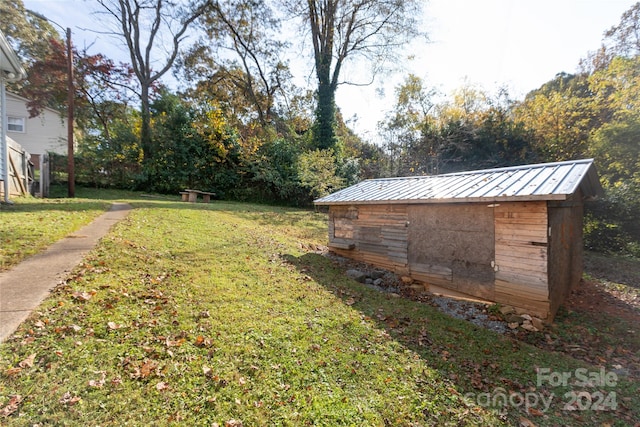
<point>511,263</point>
<point>538,308</point>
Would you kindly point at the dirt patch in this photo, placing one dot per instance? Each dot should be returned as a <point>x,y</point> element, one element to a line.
<point>613,269</point>
<point>603,297</point>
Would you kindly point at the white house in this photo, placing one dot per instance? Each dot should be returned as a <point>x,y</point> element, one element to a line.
<point>10,70</point>
<point>46,133</point>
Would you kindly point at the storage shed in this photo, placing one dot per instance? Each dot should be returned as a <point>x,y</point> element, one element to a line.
<point>510,235</point>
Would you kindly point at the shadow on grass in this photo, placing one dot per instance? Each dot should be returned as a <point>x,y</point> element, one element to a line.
<point>458,349</point>
<point>476,360</point>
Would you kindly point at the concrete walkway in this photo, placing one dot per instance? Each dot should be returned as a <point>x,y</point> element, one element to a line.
<point>26,285</point>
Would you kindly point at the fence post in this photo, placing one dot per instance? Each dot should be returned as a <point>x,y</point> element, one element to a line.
<point>45,175</point>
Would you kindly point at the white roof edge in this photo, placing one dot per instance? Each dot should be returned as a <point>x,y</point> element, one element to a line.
<point>14,62</point>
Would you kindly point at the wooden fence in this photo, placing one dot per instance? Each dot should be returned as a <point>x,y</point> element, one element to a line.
<point>21,171</point>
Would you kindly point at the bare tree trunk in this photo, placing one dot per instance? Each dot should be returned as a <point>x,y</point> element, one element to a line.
<point>141,24</point>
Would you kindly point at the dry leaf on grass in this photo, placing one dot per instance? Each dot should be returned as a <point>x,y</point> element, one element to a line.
<point>69,399</point>
<point>83,296</point>
<point>12,371</point>
<point>12,406</point>
<point>113,326</point>
<point>28,362</point>
<point>100,382</point>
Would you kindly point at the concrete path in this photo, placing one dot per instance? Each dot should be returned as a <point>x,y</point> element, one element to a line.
<point>25,286</point>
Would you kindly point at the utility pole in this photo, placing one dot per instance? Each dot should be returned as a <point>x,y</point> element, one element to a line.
<point>71,168</point>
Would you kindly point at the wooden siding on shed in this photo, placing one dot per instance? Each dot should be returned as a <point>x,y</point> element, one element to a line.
<point>565,250</point>
<point>521,231</point>
<point>499,252</point>
<point>379,234</point>
<point>452,246</point>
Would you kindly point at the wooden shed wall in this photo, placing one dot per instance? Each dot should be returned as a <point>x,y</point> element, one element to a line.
<point>565,250</point>
<point>522,255</point>
<point>375,234</point>
<point>452,246</point>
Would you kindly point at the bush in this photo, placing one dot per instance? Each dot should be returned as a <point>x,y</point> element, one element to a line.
<point>611,224</point>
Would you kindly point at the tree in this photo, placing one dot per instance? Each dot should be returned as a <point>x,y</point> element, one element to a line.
<point>624,39</point>
<point>317,173</point>
<point>341,30</point>
<point>28,34</point>
<point>101,87</point>
<point>105,92</point>
<point>143,24</point>
<point>561,115</point>
<point>249,31</point>
<point>405,127</point>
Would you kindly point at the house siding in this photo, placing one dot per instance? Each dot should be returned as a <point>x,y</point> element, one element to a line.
<point>42,134</point>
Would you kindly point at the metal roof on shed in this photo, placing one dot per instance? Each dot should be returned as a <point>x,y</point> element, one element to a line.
<point>545,181</point>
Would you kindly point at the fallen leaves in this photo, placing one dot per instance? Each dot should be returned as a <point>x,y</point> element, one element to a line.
<point>113,326</point>
<point>83,296</point>
<point>69,399</point>
<point>201,341</point>
<point>98,383</point>
<point>28,362</point>
<point>23,364</point>
<point>12,371</point>
<point>207,371</point>
<point>524,422</point>
<point>146,369</point>
<point>12,406</point>
<point>174,343</point>
<point>229,423</point>
<point>162,386</point>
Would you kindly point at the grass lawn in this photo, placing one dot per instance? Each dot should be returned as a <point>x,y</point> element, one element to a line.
<point>205,314</point>
<point>30,225</point>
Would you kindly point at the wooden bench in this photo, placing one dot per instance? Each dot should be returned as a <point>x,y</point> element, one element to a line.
<point>192,195</point>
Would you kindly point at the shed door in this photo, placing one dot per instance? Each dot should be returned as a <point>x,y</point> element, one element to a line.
<point>452,245</point>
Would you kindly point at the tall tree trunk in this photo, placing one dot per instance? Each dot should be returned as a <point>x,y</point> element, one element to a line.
<point>145,129</point>
<point>322,18</point>
<point>371,29</point>
<point>324,134</point>
<point>143,25</point>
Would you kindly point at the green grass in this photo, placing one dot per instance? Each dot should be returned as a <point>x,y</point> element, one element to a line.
<point>194,314</point>
<point>30,225</point>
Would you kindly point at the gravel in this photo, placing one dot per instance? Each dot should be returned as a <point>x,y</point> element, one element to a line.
<point>388,282</point>
<point>475,313</point>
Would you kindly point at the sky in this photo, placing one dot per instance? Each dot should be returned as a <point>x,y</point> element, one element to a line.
<point>517,44</point>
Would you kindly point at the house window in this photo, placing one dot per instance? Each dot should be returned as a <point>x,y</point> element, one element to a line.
<point>15,124</point>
